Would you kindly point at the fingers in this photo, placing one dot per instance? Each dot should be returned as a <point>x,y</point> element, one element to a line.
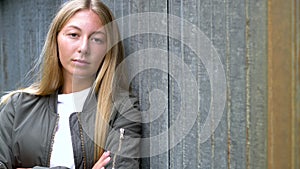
<point>104,159</point>
<point>104,156</point>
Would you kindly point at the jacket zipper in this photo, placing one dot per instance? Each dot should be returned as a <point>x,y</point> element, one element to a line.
<point>122,132</point>
<point>82,143</point>
<point>52,140</point>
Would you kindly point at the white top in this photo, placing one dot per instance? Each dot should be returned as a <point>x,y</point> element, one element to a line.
<point>62,152</point>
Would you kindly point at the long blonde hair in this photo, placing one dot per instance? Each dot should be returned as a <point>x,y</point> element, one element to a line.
<point>50,77</point>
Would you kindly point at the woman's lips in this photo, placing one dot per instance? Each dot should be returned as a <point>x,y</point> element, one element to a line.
<point>80,62</point>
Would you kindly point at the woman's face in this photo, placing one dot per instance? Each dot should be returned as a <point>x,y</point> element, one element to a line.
<point>82,46</point>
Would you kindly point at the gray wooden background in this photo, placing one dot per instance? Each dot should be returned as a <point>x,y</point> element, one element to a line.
<point>237,30</point>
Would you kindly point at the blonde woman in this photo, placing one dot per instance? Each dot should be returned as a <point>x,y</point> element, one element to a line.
<point>72,116</point>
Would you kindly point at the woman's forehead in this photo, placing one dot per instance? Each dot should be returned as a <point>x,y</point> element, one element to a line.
<point>85,19</point>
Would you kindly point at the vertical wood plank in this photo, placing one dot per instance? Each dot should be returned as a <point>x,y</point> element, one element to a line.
<point>296,85</point>
<point>175,155</point>
<point>257,75</point>
<point>205,149</point>
<point>1,49</point>
<point>238,83</point>
<point>282,121</point>
<point>218,38</point>
<point>160,81</point>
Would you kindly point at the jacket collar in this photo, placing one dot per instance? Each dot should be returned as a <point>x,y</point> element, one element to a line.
<point>90,104</point>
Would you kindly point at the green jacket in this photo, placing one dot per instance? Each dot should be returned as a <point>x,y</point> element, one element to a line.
<point>28,124</point>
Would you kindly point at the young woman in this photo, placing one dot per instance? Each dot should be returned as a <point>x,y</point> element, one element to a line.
<point>72,116</point>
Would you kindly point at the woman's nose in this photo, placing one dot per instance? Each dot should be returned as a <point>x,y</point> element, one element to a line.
<point>84,46</point>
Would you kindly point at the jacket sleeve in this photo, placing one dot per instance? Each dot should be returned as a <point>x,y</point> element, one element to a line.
<point>124,135</point>
<point>58,167</point>
<point>6,125</point>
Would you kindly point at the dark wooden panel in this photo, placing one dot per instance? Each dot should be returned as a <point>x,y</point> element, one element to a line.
<point>24,25</point>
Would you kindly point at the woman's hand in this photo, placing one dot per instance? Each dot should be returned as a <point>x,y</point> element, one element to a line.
<point>104,159</point>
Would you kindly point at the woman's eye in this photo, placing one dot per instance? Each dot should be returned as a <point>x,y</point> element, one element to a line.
<point>98,40</point>
<point>73,35</point>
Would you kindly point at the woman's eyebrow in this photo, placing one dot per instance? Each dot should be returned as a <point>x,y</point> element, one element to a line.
<point>99,32</point>
<point>96,32</point>
<point>73,26</point>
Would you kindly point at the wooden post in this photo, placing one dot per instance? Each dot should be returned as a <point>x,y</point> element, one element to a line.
<point>283,84</point>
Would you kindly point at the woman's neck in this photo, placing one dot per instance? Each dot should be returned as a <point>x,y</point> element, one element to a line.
<point>75,85</point>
